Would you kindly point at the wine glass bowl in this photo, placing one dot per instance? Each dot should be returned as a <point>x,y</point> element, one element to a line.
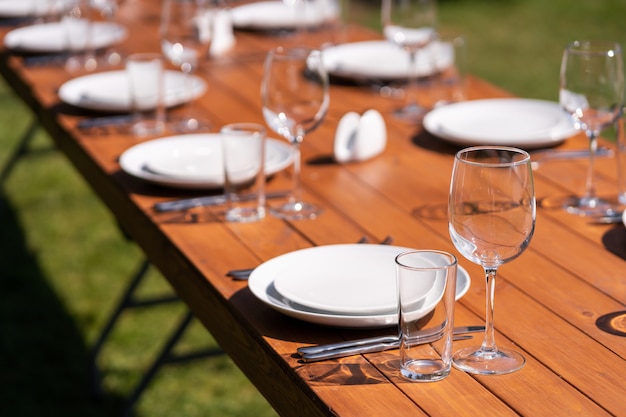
<point>295,99</point>
<point>592,92</point>
<point>411,25</point>
<point>491,218</point>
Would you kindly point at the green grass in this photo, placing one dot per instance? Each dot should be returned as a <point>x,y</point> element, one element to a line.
<point>64,263</point>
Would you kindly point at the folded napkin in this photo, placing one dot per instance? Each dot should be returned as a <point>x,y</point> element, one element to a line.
<point>360,137</point>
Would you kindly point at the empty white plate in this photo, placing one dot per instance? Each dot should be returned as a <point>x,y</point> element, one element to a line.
<point>109,91</point>
<point>342,280</point>
<point>383,60</point>
<point>26,8</point>
<point>51,37</point>
<point>195,160</point>
<point>262,283</point>
<point>266,15</point>
<point>526,123</point>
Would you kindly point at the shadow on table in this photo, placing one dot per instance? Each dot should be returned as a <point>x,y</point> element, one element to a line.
<point>426,140</point>
<point>43,358</point>
<point>614,240</point>
<point>614,322</point>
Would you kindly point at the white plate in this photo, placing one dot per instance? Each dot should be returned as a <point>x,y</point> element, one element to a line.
<point>526,123</point>
<point>136,161</point>
<point>341,281</point>
<point>383,60</point>
<point>25,8</point>
<point>51,37</point>
<point>109,91</point>
<point>266,15</point>
<point>262,283</point>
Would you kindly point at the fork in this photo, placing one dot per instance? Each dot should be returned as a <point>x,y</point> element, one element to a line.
<point>244,274</point>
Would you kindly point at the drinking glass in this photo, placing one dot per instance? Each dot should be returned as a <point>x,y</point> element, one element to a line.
<point>185,42</point>
<point>294,94</point>
<point>106,11</point>
<point>592,91</point>
<point>76,23</point>
<point>491,215</point>
<point>410,24</point>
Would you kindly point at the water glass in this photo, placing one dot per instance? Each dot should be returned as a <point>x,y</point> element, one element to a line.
<point>427,288</point>
<point>145,78</point>
<point>448,54</point>
<point>77,28</point>
<point>243,147</point>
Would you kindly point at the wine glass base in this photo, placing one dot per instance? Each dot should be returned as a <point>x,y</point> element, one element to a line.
<point>188,124</point>
<point>591,207</point>
<point>411,113</point>
<point>296,211</point>
<point>474,360</point>
<point>614,323</point>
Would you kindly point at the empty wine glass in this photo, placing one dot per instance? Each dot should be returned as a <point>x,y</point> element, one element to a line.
<point>185,42</point>
<point>77,27</point>
<point>592,91</point>
<point>106,11</point>
<point>410,24</point>
<point>295,99</point>
<point>491,215</point>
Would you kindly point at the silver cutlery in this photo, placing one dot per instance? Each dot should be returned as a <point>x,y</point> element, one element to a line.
<point>211,200</point>
<point>608,218</point>
<point>377,339</point>
<point>539,157</point>
<point>311,354</point>
<point>105,121</point>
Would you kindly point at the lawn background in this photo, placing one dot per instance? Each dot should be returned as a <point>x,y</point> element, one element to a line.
<point>64,263</point>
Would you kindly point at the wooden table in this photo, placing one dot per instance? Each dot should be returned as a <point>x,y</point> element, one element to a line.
<point>547,301</point>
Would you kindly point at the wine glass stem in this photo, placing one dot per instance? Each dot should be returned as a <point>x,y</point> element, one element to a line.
<point>412,84</point>
<point>296,193</point>
<point>489,343</point>
<point>188,69</point>
<point>590,193</point>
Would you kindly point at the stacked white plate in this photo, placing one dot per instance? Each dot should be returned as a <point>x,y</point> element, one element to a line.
<point>276,14</point>
<point>192,161</point>
<point>109,90</point>
<point>52,37</point>
<point>27,8</point>
<point>526,123</point>
<point>383,60</point>
<point>351,285</point>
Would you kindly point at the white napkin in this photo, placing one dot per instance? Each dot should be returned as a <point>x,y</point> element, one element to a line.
<point>360,137</point>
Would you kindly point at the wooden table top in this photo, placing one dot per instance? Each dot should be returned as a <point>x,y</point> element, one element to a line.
<point>547,301</point>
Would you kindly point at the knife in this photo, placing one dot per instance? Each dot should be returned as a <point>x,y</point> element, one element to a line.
<point>104,121</point>
<point>371,348</point>
<point>609,218</point>
<point>211,200</point>
<point>377,340</point>
<point>539,157</point>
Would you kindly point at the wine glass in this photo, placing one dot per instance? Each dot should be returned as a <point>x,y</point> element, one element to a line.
<point>77,27</point>
<point>106,11</point>
<point>410,24</point>
<point>491,215</point>
<point>185,42</point>
<point>295,98</point>
<point>592,91</point>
